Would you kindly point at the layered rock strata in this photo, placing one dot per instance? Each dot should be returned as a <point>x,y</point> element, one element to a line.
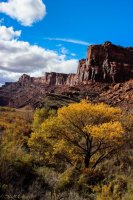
<point>104,64</point>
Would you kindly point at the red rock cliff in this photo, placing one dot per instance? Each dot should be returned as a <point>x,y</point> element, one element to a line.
<point>107,62</point>
<point>104,63</point>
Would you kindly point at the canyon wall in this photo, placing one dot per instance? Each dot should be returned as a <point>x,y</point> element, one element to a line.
<point>103,63</point>
<point>106,63</point>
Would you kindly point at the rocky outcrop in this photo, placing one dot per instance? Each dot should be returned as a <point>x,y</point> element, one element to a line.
<point>60,79</point>
<point>120,94</point>
<point>50,78</point>
<point>108,63</point>
<point>56,78</point>
<point>104,63</point>
<point>104,66</point>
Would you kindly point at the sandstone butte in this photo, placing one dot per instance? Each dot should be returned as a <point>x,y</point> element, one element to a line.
<point>105,75</point>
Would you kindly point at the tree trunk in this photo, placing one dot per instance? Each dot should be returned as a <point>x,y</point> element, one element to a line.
<point>88,153</point>
<point>87,160</point>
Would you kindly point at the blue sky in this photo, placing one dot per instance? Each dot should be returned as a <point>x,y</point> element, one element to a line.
<point>66,28</point>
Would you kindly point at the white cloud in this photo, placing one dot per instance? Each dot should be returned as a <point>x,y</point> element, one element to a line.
<point>21,57</point>
<point>59,45</point>
<point>18,57</point>
<point>25,11</point>
<point>64,50</point>
<point>73,54</point>
<point>8,33</point>
<point>70,41</point>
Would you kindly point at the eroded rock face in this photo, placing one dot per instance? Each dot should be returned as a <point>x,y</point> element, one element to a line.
<point>50,78</point>
<point>103,65</point>
<point>56,78</point>
<point>25,80</point>
<point>108,63</point>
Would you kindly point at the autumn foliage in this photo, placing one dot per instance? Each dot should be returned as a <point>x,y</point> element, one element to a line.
<point>82,133</point>
<point>81,151</point>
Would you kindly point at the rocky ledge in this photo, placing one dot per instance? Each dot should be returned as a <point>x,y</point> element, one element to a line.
<point>106,66</point>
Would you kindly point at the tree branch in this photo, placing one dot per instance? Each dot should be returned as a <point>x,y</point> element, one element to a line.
<point>102,157</point>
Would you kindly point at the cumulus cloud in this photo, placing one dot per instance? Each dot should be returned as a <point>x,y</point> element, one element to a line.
<point>8,33</point>
<point>21,57</point>
<point>25,11</point>
<point>18,57</point>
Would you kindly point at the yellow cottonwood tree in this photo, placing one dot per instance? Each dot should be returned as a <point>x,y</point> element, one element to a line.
<point>82,133</point>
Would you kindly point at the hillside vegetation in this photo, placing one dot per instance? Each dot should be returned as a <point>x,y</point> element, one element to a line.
<point>82,151</point>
